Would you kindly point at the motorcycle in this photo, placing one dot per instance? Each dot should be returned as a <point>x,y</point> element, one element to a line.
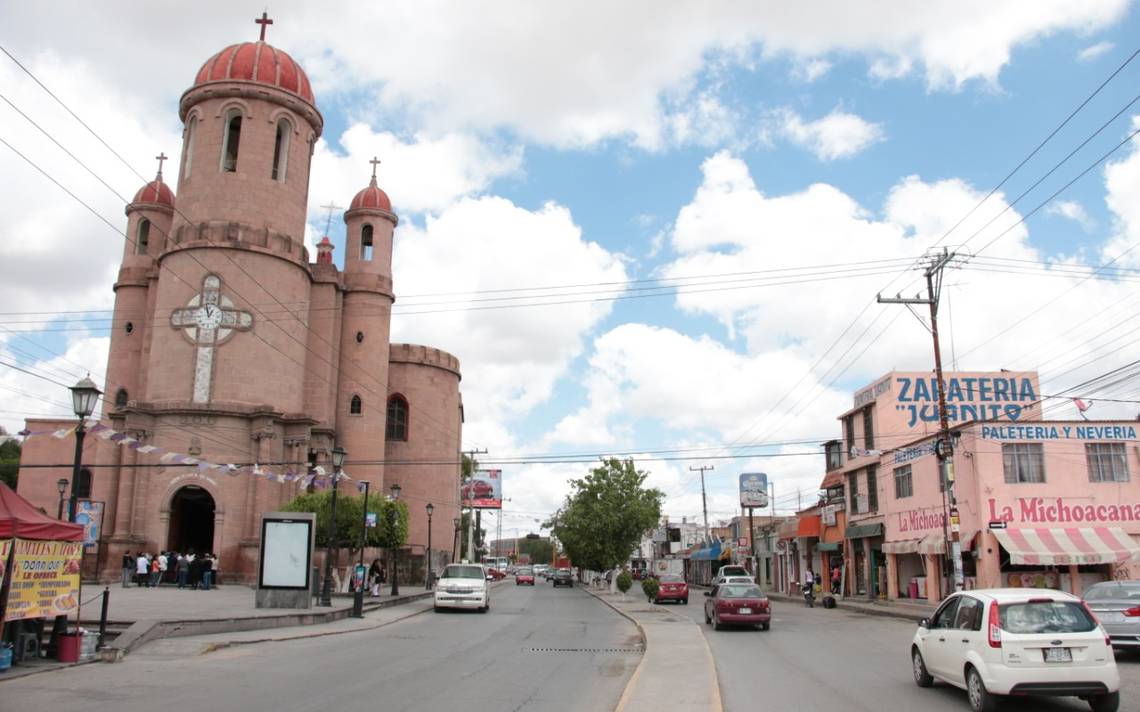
<point>809,594</point>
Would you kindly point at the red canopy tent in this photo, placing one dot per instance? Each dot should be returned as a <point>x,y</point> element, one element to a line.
<point>19,519</point>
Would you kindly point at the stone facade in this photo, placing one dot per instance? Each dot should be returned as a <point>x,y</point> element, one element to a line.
<point>230,345</point>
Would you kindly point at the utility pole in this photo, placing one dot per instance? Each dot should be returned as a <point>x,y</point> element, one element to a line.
<point>943,447</point>
<point>704,501</point>
<point>471,513</point>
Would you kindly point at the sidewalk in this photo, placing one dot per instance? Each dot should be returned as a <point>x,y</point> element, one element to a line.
<point>906,610</point>
<point>677,669</point>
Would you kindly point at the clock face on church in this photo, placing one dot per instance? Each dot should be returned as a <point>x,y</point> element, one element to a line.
<point>208,320</point>
<point>208,316</point>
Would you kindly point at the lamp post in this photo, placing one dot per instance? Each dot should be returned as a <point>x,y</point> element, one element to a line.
<point>61,485</point>
<point>430,508</point>
<point>84,396</point>
<point>456,540</point>
<point>358,597</point>
<point>338,454</point>
<point>395,514</point>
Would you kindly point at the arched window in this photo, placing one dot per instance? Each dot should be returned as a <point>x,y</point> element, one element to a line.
<point>281,150</point>
<point>83,484</point>
<point>121,398</point>
<point>397,427</point>
<point>366,243</point>
<point>231,140</point>
<point>188,149</point>
<point>354,406</point>
<point>142,237</point>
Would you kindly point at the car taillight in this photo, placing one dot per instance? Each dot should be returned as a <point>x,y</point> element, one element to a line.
<point>995,625</point>
<point>1133,612</point>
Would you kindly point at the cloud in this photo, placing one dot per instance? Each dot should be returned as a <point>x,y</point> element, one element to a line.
<point>808,70</point>
<point>1095,51</point>
<point>838,135</point>
<point>28,396</point>
<point>1072,210</point>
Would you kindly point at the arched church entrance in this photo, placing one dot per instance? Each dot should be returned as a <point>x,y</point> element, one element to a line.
<point>191,520</point>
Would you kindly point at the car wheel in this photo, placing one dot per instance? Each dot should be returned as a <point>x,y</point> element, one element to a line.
<point>765,626</point>
<point>1105,703</point>
<point>707,619</point>
<point>437,609</point>
<point>686,600</point>
<point>980,698</point>
<point>922,678</point>
<point>716,623</point>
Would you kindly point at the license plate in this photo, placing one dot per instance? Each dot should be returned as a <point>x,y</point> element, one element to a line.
<point>1058,655</point>
<point>1110,617</point>
<point>745,610</point>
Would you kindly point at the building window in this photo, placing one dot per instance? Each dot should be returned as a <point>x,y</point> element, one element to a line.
<point>834,455</point>
<point>231,140</point>
<point>366,243</point>
<point>1108,462</point>
<point>873,488</point>
<point>142,237</point>
<point>397,428</point>
<point>853,491</point>
<point>83,484</point>
<point>868,428</point>
<point>188,149</point>
<point>281,150</point>
<point>121,398</point>
<point>1023,462</point>
<point>354,406</point>
<point>904,487</point>
<point>849,429</point>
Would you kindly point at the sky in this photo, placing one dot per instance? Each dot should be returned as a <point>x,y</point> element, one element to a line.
<point>645,229</point>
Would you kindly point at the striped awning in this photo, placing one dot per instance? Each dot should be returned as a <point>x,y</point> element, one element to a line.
<point>932,544</point>
<point>908,546</point>
<point>1088,545</point>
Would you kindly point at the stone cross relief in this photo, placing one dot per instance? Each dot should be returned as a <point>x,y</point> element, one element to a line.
<point>208,321</point>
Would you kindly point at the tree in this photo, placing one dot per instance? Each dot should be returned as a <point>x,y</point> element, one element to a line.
<point>605,515</point>
<point>540,550</point>
<point>349,519</point>
<point>9,458</point>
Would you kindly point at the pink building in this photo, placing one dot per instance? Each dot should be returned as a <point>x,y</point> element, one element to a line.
<point>232,347</point>
<point>1041,503</point>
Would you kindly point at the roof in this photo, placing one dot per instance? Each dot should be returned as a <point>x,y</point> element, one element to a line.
<point>257,62</point>
<point>155,193</point>
<point>1009,595</point>
<point>18,518</point>
<point>371,198</point>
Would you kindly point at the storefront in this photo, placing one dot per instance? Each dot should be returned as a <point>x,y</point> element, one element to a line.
<point>867,576</point>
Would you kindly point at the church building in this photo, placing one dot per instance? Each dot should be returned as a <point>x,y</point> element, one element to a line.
<point>231,349</point>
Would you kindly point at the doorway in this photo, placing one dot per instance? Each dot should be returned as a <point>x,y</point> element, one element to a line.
<point>191,521</point>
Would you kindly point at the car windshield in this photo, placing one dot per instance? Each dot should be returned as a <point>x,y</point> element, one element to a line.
<point>525,572</point>
<point>1113,592</point>
<point>740,590</point>
<point>463,572</point>
<point>672,578</point>
<point>1045,617</point>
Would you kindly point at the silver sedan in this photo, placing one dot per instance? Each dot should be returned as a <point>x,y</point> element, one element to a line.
<point>1116,605</point>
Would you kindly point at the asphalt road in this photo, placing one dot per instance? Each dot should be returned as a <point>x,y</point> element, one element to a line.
<point>829,660</point>
<point>537,649</point>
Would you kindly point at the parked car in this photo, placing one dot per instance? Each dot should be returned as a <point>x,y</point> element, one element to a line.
<point>1116,604</point>
<point>562,577</point>
<point>495,575</point>
<point>672,587</point>
<point>524,575</point>
<point>1017,641</point>
<point>731,570</point>
<point>738,579</point>
<point>737,604</point>
<point>463,586</point>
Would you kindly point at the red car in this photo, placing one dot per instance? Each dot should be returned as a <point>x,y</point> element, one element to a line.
<point>524,575</point>
<point>737,604</point>
<point>672,587</point>
<point>495,575</point>
<point>477,489</point>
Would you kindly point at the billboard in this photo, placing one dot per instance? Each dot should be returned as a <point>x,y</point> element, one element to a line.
<point>90,515</point>
<point>45,579</point>
<point>483,490</point>
<point>754,489</point>
<point>286,550</point>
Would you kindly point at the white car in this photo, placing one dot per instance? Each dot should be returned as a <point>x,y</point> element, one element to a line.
<point>737,579</point>
<point>463,586</point>
<point>731,570</point>
<point>1017,641</point>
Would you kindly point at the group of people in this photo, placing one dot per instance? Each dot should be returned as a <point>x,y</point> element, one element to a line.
<point>189,569</point>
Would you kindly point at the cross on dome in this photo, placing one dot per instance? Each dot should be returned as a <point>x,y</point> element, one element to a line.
<point>161,157</point>
<point>375,162</point>
<point>264,21</point>
<point>330,207</point>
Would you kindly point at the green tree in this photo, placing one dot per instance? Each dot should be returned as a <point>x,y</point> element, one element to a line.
<point>349,519</point>
<point>9,458</point>
<point>605,515</point>
<point>624,581</point>
<point>540,550</point>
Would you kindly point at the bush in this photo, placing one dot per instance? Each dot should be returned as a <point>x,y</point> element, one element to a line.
<point>650,586</point>
<point>624,581</point>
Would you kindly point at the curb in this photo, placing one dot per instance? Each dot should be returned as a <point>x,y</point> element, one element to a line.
<point>625,694</point>
<point>867,609</point>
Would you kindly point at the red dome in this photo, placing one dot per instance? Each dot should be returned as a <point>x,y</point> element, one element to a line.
<point>156,193</point>
<point>257,62</point>
<point>371,197</point>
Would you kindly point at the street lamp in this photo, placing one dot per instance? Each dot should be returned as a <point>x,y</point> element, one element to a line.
<point>84,396</point>
<point>395,514</point>
<point>455,538</point>
<point>358,599</point>
<point>61,485</point>
<point>430,508</point>
<point>338,454</point>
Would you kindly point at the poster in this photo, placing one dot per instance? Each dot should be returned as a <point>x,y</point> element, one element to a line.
<point>483,490</point>
<point>90,515</point>
<point>754,489</point>
<point>45,579</point>
<point>286,551</point>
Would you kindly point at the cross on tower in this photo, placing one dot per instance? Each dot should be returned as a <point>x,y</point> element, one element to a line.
<point>263,21</point>
<point>375,162</point>
<point>161,157</point>
<point>330,207</point>
<point>209,320</point>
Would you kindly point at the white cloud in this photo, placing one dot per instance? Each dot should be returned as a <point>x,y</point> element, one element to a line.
<point>810,69</point>
<point>838,135</point>
<point>1072,210</point>
<point>1095,51</point>
<point>24,395</point>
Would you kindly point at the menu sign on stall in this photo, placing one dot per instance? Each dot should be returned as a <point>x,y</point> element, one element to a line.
<point>45,579</point>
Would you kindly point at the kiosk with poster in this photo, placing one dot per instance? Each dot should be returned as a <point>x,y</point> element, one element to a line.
<point>284,572</point>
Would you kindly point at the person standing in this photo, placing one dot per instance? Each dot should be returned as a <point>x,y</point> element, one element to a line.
<point>375,577</point>
<point>207,571</point>
<point>142,568</point>
<point>128,569</point>
<point>195,571</point>
<point>181,568</point>
<point>163,564</point>
<point>836,579</point>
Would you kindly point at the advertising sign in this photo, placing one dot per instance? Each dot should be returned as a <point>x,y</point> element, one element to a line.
<point>286,550</point>
<point>45,579</point>
<point>370,520</point>
<point>484,490</point>
<point>5,550</point>
<point>754,489</point>
<point>90,515</point>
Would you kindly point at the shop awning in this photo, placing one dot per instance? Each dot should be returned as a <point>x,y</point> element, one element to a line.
<point>907,546</point>
<point>709,554</point>
<point>828,546</point>
<point>808,526</point>
<point>932,544</point>
<point>862,531</point>
<point>1089,545</point>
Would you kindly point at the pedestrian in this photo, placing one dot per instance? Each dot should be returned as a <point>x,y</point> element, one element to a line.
<point>207,571</point>
<point>195,571</point>
<point>163,565</point>
<point>155,572</point>
<point>128,568</point>
<point>142,568</point>
<point>836,578</point>
<point>181,570</point>
<point>375,577</point>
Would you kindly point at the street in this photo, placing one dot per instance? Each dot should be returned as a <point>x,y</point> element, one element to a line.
<point>828,660</point>
<point>537,649</point>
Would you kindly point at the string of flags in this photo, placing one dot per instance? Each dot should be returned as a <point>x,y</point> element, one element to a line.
<point>317,476</point>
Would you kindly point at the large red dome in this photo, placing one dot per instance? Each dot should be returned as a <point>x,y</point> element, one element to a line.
<point>257,62</point>
<point>155,193</point>
<point>372,197</point>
